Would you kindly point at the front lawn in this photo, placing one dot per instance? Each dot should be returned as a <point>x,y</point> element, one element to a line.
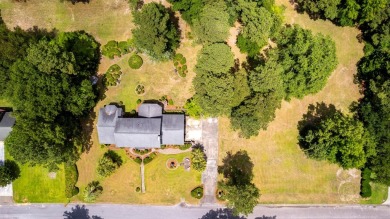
<point>379,194</point>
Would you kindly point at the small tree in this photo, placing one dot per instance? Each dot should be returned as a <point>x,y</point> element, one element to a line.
<point>109,163</point>
<point>8,172</point>
<point>92,191</point>
<point>241,199</point>
<point>198,159</point>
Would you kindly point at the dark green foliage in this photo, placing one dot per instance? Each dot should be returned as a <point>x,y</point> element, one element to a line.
<point>347,12</point>
<point>307,60</point>
<point>214,80</point>
<point>197,192</point>
<point>111,77</point>
<point>114,48</point>
<point>212,25</point>
<point>336,138</point>
<point>138,189</point>
<point>140,89</point>
<point>155,34</point>
<point>71,177</point>
<point>135,61</point>
<point>198,159</point>
<point>180,64</point>
<point>190,9</point>
<point>138,160</point>
<point>365,187</point>
<point>150,157</point>
<point>109,163</point>
<point>241,87</point>
<point>9,171</point>
<point>247,46</point>
<point>241,194</point>
<point>142,151</point>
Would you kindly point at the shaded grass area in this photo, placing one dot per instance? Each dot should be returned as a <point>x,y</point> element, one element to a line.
<point>379,194</point>
<point>281,170</point>
<point>35,186</point>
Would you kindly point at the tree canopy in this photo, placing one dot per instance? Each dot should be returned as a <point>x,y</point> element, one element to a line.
<point>9,171</point>
<point>338,139</point>
<point>155,33</point>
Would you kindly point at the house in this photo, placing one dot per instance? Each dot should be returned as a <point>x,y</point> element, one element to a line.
<point>150,129</point>
<point>6,123</point>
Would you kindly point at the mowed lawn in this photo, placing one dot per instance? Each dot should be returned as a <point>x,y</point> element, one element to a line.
<point>35,185</point>
<point>281,171</point>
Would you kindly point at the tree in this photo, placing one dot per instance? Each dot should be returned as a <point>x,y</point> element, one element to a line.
<point>214,81</point>
<point>109,163</point>
<point>198,159</point>
<point>307,60</point>
<point>192,108</point>
<point>241,87</point>
<point>213,23</point>
<point>240,193</point>
<point>320,8</point>
<point>9,171</point>
<point>155,33</point>
<point>242,199</point>
<point>92,191</point>
<point>338,139</point>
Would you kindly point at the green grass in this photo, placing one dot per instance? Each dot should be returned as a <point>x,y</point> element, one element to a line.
<point>35,186</point>
<point>5,103</point>
<point>379,194</point>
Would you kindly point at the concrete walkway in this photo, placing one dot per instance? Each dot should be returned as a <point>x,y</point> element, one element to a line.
<point>210,144</point>
<point>387,202</point>
<point>142,177</point>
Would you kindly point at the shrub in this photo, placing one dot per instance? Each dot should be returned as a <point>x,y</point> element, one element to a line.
<point>365,187</point>
<point>109,163</point>
<point>137,160</point>
<point>139,101</point>
<point>197,192</point>
<point>92,191</point>
<point>149,158</point>
<point>170,102</point>
<point>135,61</point>
<point>179,61</point>
<point>163,146</point>
<point>142,152</point>
<point>192,108</point>
<point>140,89</point>
<point>114,48</point>
<point>138,189</point>
<point>112,75</point>
<point>71,177</point>
<point>185,146</point>
<point>198,159</point>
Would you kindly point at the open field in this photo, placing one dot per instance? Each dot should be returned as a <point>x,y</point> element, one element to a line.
<point>282,172</point>
<point>35,186</point>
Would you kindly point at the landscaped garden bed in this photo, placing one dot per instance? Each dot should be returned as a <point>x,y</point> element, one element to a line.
<point>140,89</point>
<point>180,63</point>
<point>114,48</point>
<point>112,76</point>
<point>135,61</point>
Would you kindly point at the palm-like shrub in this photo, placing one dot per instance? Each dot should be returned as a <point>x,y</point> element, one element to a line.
<point>198,159</point>
<point>92,191</point>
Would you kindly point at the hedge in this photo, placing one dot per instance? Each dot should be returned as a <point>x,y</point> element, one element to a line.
<point>197,192</point>
<point>71,177</point>
<point>114,48</point>
<point>149,158</point>
<point>185,146</point>
<point>135,61</point>
<point>365,187</point>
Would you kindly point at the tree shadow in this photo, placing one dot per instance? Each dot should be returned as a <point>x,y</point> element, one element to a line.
<point>266,217</point>
<point>312,119</point>
<point>237,168</point>
<point>79,212</point>
<point>220,213</point>
<point>87,125</point>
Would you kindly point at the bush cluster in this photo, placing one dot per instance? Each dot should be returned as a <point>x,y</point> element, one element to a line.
<point>71,177</point>
<point>365,187</point>
<point>180,63</point>
<point>135,61</point>
<point>140,89</point>
<point>185,146</point>
<point>109,163</point>
<point>149,158</point>
<point>111,77</point>
<point>138,160</point>
<point>141,152</point>
<point>114,48</point>
<point>197,192</point>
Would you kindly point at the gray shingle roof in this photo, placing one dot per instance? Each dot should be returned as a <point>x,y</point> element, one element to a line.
<point>107,119</point>
<point>6,123</point>
<point>150,110</point>
<point>173,129</point>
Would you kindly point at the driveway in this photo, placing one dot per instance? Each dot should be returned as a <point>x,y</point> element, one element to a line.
<point>210,144</point>
<point>5,192</point>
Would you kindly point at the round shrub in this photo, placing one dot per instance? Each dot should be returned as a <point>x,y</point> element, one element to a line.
<point>139,101</point>
<point>138,189</point>
<point>197,192</point>
<point>135,61</point>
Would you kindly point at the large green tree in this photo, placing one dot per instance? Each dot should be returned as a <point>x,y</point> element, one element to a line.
<point>155,33</point>
<point>338,139</point>
<point>242,199</point>
<point>213,23</point>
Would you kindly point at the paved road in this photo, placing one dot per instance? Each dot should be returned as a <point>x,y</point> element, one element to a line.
<point>176,212</point>
<point>210,144</point>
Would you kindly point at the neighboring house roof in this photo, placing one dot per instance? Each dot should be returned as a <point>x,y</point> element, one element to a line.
<point>138,132</point>
<point>173,129</point>
<point>150,110</point>
<point>6,123</point>
<point>107,120</point>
